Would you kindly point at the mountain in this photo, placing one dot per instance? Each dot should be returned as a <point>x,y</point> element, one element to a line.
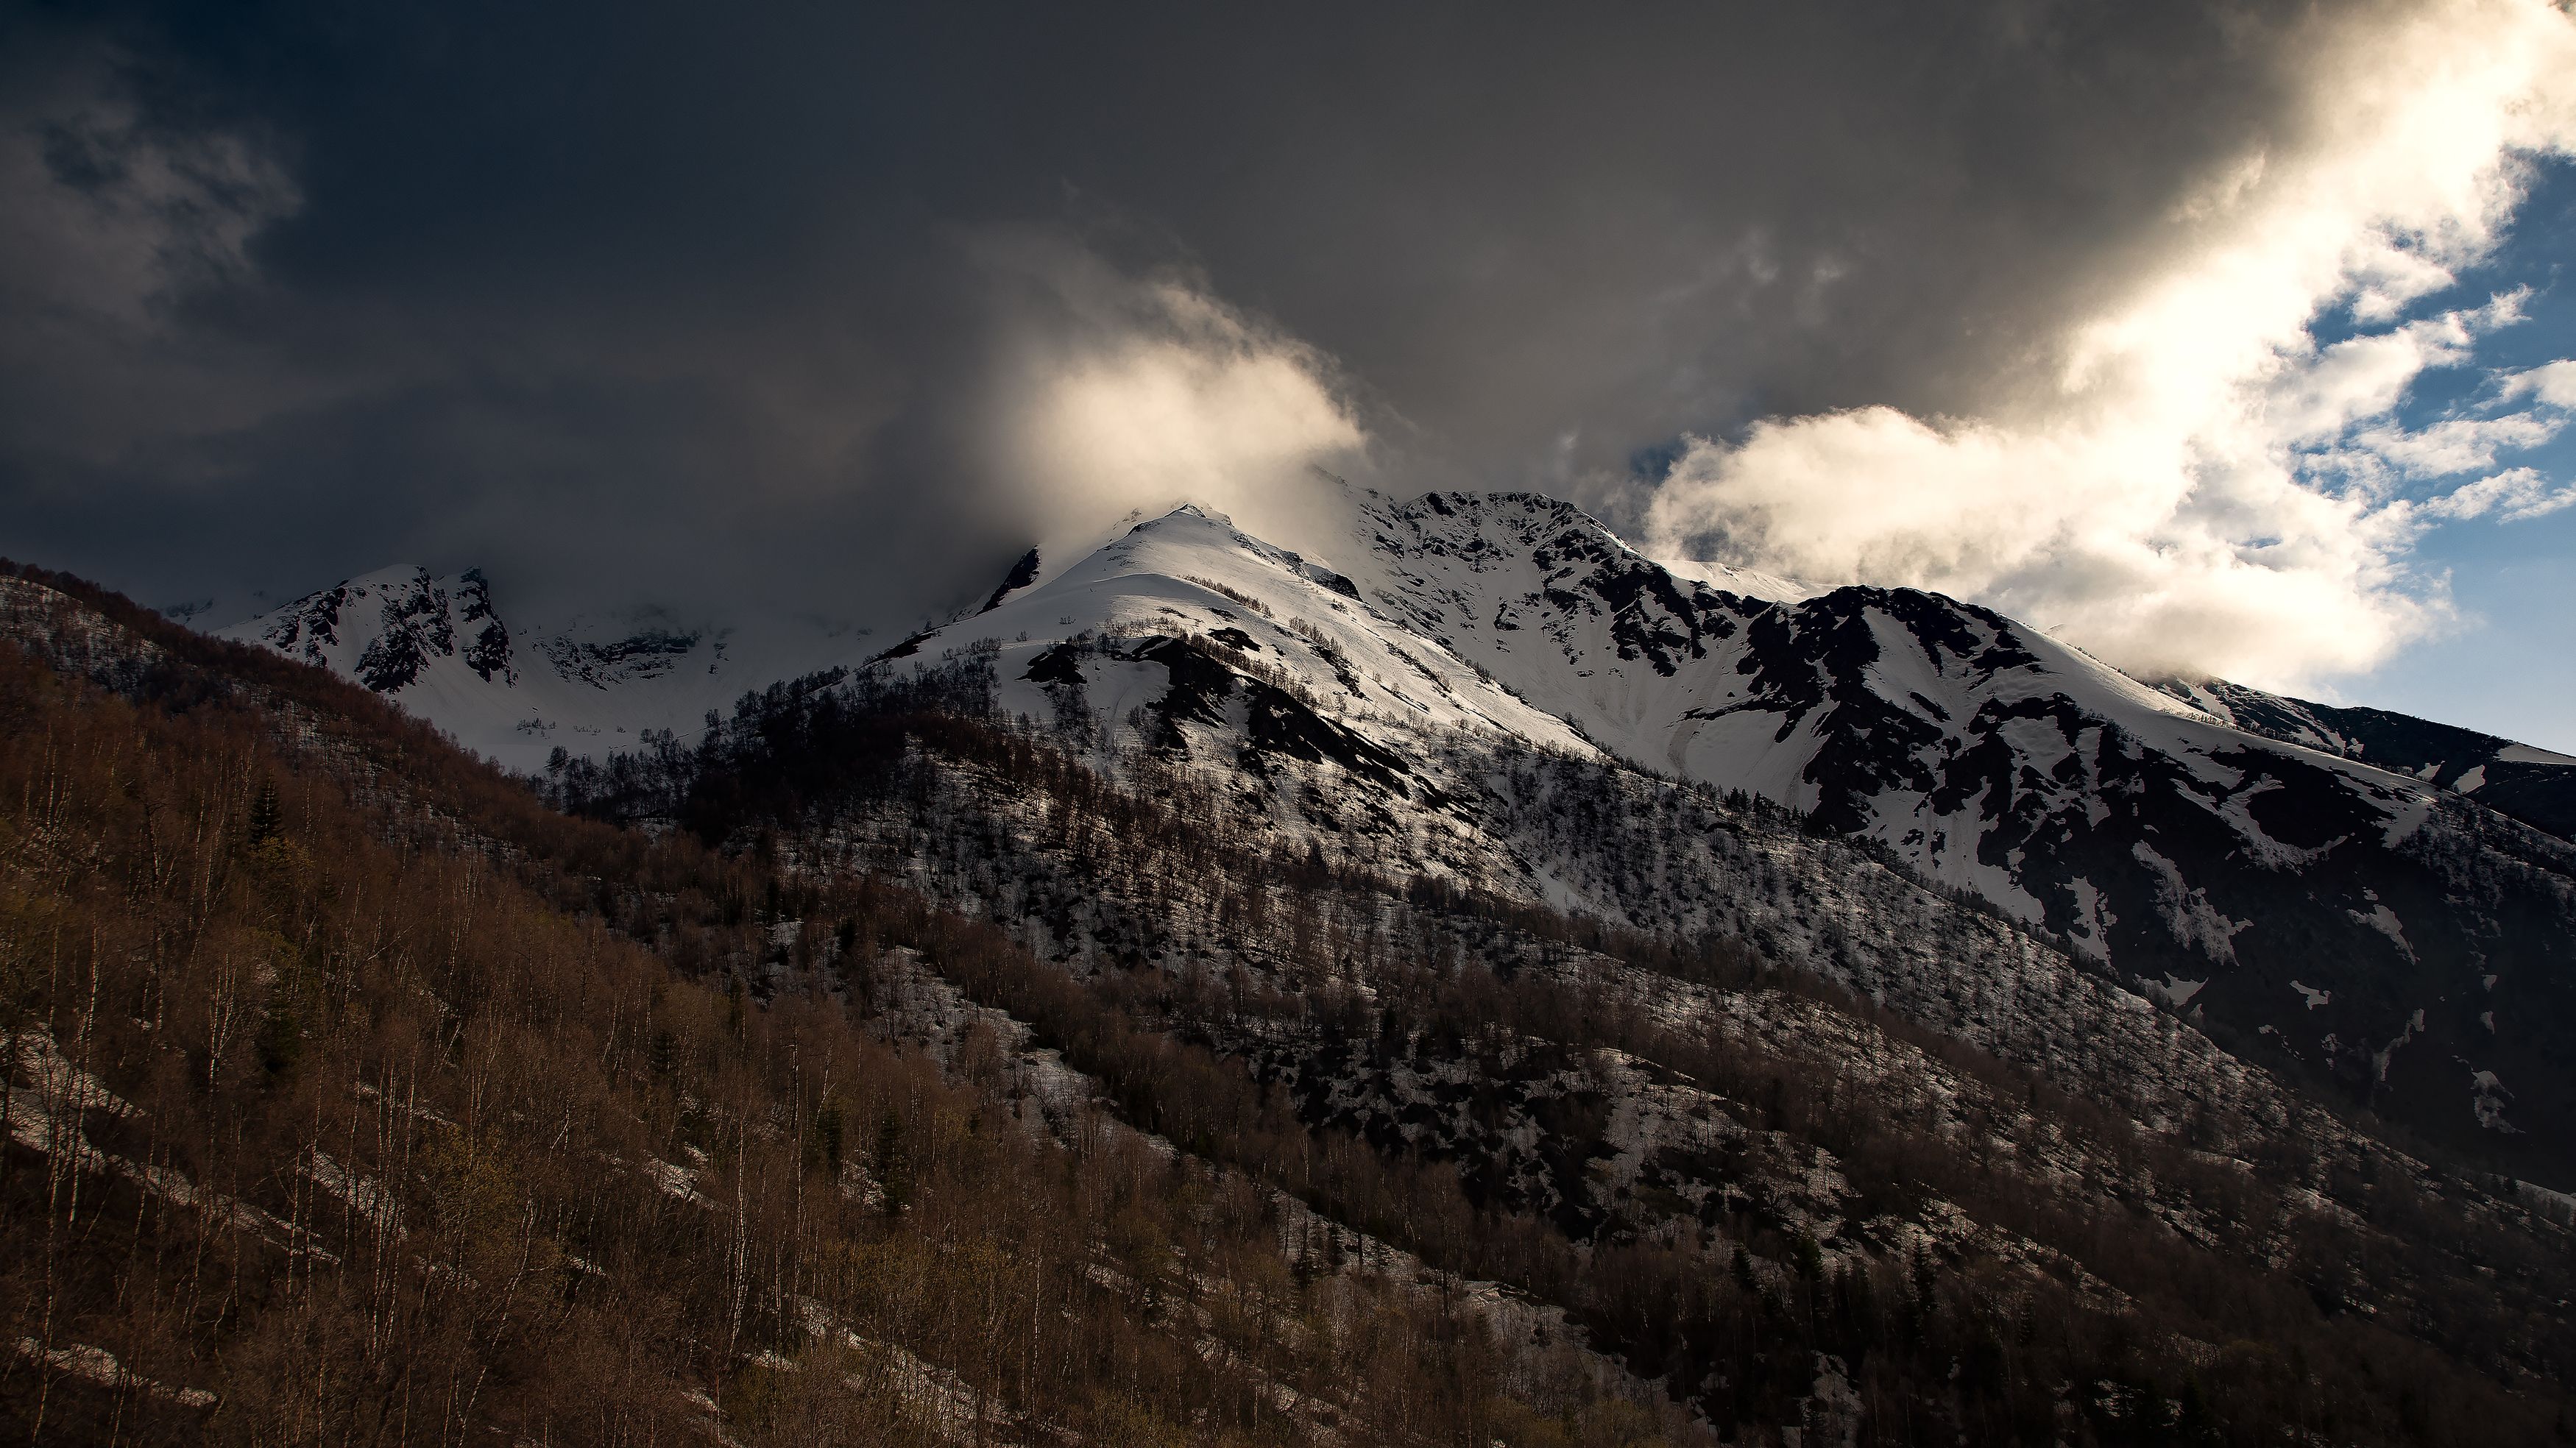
<point>516,690</point>
<point>2536,786</point>
<point>2368,927</point>
<point>2371,924</point>
<point>1022,1068</point>
<point>401,1090</point>
<point>2385,932</point>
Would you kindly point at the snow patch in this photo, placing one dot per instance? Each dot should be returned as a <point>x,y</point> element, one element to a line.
<point>2090,921</point>
<point>2487,1097</point>
<point>2526,754</point>
<point>1748,582</point>
<point>365,1196</point>
<point>2385,921</point>
<point>98,1365</point>
<point>2186,908</point>
<point>2380,1058</point>
<point>2405,817</point>
<point>674,1181</point>
<point>2174,990</point>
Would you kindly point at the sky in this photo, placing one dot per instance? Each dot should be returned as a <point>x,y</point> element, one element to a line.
<point>2510,664</point>
<point>2220,339</point>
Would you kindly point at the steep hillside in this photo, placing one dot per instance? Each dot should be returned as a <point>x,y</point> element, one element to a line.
<point>1153,1114</point>
<point>353,1096</point>
<point>2536,786</point>
<point>2374,932</point>
<point>1702,1131</point>
<point>2377,932</point>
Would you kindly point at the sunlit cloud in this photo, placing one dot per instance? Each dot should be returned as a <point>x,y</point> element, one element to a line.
<point>2206,486</point>
<point>1114,392</point>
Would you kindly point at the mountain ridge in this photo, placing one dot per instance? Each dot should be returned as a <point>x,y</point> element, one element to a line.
<point>1772,1200</point>
<point>2362,925</point>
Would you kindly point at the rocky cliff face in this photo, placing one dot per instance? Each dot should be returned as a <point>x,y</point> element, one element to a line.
<point>516,688</point>
<point>383,629</point>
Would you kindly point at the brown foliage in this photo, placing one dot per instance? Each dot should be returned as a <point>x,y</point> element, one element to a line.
<point>343,1092</point>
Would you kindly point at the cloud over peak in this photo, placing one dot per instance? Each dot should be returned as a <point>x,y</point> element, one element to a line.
<point>1111,391</point>
<point>2119,317</point>
<point>2204,483</point>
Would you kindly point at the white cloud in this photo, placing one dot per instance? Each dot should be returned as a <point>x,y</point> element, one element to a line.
<point>2368,374</point>
<point>2205,487</point>
<point>2554,384</point>
<point>2519,492</point>
<point>1118,393</point>
<point>2445,449</point>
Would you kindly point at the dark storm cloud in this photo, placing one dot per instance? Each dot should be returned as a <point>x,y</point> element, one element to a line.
<point>707,300</point>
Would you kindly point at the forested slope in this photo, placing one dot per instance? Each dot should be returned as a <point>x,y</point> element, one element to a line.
<point>1753,1184</point>
<point>356,1097</point>
<point>880,1071</point>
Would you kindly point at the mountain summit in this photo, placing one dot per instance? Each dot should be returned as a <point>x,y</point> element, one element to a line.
<point>2380,903</point>
<point>1245,894</point>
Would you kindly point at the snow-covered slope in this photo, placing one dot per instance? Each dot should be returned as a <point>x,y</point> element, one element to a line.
<point>517,691</point>
<point>2372,924</point>
<point>2378,925</point>
<point>2536,786</point>
<point>1296,620</point>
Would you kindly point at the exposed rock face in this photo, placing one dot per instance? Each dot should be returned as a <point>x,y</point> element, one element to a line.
<point>385,628</point>
<point>513,689</point>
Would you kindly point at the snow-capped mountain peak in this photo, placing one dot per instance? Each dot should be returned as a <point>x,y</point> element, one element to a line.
<point>2284,868</point>
<point>384,628</point>
<point>1191,573</point>
<point>516,690</point>
<point>2316,895</point>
